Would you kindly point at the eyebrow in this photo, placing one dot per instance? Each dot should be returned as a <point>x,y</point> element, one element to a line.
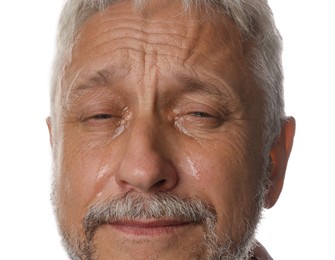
<point>192,84</point>
<point>87,80</point>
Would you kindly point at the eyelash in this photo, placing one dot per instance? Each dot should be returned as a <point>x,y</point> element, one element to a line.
<point>199,119</point>
<point>101,117</point>
<point>201,114</point>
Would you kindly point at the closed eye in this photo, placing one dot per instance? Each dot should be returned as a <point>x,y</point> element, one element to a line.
<point>101,116</point>
<point>200,114</point>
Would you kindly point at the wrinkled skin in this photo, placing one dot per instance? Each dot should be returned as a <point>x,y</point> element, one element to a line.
<point>161,102</point>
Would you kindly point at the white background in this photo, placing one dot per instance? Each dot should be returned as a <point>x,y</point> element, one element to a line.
<point>300,226</point>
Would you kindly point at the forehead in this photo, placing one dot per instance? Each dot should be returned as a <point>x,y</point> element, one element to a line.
<point>174,39</point>
<point>159,28</point>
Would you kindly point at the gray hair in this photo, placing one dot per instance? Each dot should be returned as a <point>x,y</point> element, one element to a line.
<point>253,18</point>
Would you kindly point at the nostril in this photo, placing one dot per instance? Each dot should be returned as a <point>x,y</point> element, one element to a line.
<point>160,183</point>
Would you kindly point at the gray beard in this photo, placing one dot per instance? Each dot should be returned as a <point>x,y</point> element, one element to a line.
<point>132,205</point>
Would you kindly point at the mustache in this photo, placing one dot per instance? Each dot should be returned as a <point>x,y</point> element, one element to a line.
<point>132,205</point>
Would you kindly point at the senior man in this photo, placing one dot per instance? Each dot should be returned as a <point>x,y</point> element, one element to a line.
<point>167,127</point>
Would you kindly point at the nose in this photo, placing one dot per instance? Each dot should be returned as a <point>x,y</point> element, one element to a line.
<point>146,166</point>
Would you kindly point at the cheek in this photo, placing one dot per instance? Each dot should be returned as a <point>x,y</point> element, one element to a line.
<point>223,173</point>
<point>79,176</point>
<point>228,161</point>
<point>228,179</point>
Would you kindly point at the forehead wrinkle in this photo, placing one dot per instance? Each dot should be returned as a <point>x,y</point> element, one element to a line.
<point>106,25</point>
<point>151,40</point>
<point>148,31</point>
<point>139,22</point>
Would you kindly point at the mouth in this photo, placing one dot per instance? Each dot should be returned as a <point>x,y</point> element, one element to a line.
<point>149,227</point>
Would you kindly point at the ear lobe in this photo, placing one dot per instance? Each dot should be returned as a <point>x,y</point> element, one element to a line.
<point>280,153</point>
<point>48,121</point>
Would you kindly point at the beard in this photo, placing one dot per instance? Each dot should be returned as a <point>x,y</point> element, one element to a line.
<point>135,206</point>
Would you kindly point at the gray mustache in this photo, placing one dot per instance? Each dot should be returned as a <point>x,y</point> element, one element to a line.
<point>133,205</point>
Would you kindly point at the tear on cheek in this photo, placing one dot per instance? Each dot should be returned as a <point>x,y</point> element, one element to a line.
<point>180,125</point>
<point>119,130</point>
<point>192,168</point>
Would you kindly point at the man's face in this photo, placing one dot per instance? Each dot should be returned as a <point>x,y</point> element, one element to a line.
<point>155,104</point>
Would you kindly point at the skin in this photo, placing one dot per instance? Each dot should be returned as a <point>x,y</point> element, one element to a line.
<point>161,102</point>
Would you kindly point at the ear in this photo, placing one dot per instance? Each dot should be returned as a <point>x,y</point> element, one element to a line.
<point>280,153</point>
<point>48,121</point>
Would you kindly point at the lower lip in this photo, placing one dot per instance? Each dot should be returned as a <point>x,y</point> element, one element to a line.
<point>147,230</point>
